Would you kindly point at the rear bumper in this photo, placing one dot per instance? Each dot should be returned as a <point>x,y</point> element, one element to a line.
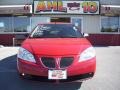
<point>78,71</point>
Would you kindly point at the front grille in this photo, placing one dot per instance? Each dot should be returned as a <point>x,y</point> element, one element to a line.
<point>48,62</point>
<point>66,61</point>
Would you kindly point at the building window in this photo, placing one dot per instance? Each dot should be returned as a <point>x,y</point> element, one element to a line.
<point>15,24</point>
<point>60,19</point>
<point>6,24</point>
<point>109,24</point>
<point>22,24</point>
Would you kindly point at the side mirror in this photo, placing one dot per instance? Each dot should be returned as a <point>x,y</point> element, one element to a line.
<point>85,34</point>
<point>26,35</point>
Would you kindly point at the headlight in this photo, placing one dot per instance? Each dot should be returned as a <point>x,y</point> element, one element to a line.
<point>87,54</point>
<point>25,55</point>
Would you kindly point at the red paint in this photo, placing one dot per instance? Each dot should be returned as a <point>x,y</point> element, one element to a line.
<point>51,46</point>
<point>95,39</point>
<point>104,39</point>
<point>6,39</point>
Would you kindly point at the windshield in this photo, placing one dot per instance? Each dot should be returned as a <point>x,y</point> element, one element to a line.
<point>56,31</point>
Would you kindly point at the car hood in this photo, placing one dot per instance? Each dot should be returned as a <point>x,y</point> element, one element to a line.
<point>60,46</point>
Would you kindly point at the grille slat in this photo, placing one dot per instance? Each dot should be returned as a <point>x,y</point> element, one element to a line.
<point>48,62</point>
<point>66,61</point>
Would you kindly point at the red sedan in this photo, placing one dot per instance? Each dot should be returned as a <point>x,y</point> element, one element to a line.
<point>57,51</point>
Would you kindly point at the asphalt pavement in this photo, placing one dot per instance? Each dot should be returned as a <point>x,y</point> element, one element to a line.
<point>107,76</point>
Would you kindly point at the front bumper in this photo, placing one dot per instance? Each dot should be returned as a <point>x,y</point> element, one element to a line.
<point>77,71</point>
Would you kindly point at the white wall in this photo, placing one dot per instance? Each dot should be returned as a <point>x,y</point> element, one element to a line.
<point>91,24</point>
<point>111,2</point>
<point>15,2</point>
<point>38,20</point>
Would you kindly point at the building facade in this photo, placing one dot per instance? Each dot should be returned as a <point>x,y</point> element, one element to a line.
<point>100,19</point>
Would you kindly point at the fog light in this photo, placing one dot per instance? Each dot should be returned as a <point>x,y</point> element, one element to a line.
<point>23,74</point>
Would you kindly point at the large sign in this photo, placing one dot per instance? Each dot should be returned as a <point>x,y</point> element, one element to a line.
<point>66,7</point>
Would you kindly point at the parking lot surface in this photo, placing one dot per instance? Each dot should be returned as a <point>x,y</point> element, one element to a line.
<point>107,76</point>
